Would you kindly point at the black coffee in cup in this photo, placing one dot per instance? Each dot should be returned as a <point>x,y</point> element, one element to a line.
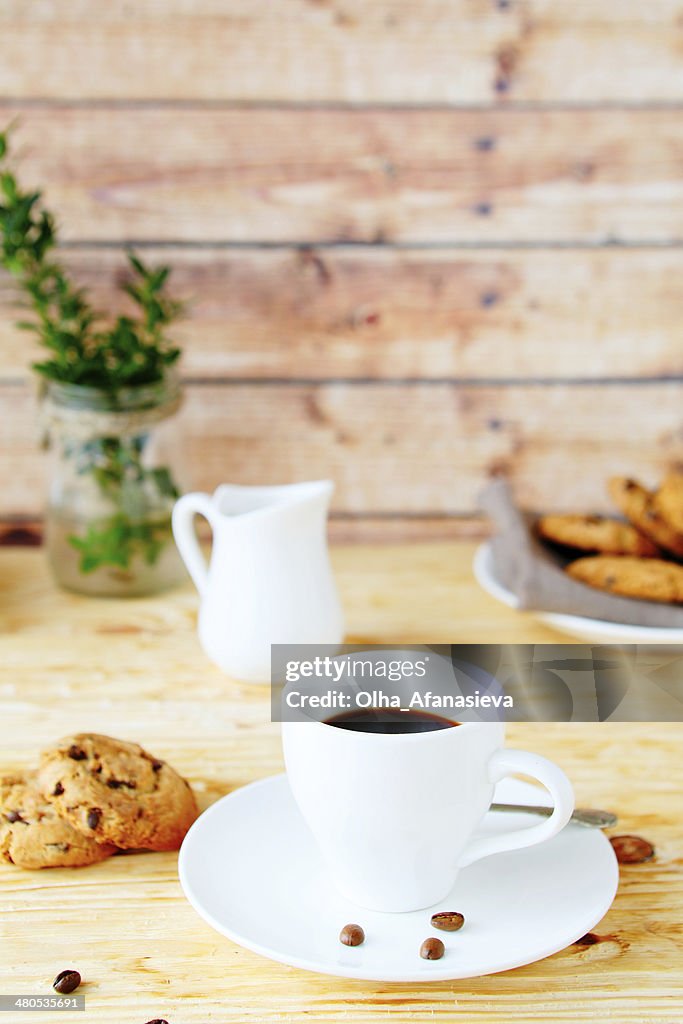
<point>389,720</point>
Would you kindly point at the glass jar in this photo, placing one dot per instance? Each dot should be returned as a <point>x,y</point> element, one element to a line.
<point>112,487</point>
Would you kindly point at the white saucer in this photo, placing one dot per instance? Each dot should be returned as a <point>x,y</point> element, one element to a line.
<point>590,630</point>
<point>250,867</point>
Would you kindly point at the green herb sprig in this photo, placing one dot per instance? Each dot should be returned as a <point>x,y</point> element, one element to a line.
<point>132,351</point>
<point>81,349</point>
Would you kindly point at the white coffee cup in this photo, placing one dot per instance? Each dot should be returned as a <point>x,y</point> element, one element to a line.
<point>394,814</point>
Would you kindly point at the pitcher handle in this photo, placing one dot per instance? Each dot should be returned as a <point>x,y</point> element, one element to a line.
<point>184,511</point>
<point>506,762</point>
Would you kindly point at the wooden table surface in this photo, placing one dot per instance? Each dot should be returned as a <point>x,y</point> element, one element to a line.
<point>135,670</point>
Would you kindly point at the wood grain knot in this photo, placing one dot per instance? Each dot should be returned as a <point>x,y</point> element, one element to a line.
<point>593,939</point>
<point>21,537</point>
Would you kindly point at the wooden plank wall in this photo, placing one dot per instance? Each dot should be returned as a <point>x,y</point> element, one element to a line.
<point>422,242</point>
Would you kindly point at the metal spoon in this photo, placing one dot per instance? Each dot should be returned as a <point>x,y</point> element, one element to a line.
<point>582,815</point>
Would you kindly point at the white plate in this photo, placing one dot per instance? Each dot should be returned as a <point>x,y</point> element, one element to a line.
<point>250,867</point>
<point>590,630</point>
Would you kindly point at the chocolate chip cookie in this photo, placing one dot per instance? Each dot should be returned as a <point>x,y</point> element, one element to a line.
<point>669,499</point>
<point>640,508</point>
<point>115,792</point>
<point>650,579</point>
<point>596,533</point>
<point>32,834</point>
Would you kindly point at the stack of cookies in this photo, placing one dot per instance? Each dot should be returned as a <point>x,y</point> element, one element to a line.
<point>639,557</point>
<point>91,796</point>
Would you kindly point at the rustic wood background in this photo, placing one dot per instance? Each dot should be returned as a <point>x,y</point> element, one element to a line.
<point>424,242</point>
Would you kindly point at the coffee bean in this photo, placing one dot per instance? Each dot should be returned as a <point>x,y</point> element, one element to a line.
<point>76,754</point>
<point>632,849</point>
<point>432,949</point>
<point>13,816</point>
<point>448,921</point>
<point>352,935</point>
<point>66,982</point>
<point>94,815</point>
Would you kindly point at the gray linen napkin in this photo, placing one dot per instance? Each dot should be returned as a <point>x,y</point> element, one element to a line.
<point>534,573</point>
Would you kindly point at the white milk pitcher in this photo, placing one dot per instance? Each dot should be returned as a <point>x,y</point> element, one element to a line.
<point>269,580</point>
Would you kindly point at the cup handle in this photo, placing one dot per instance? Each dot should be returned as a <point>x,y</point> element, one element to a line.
<point>506,762</point>
<point>184,512</point>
